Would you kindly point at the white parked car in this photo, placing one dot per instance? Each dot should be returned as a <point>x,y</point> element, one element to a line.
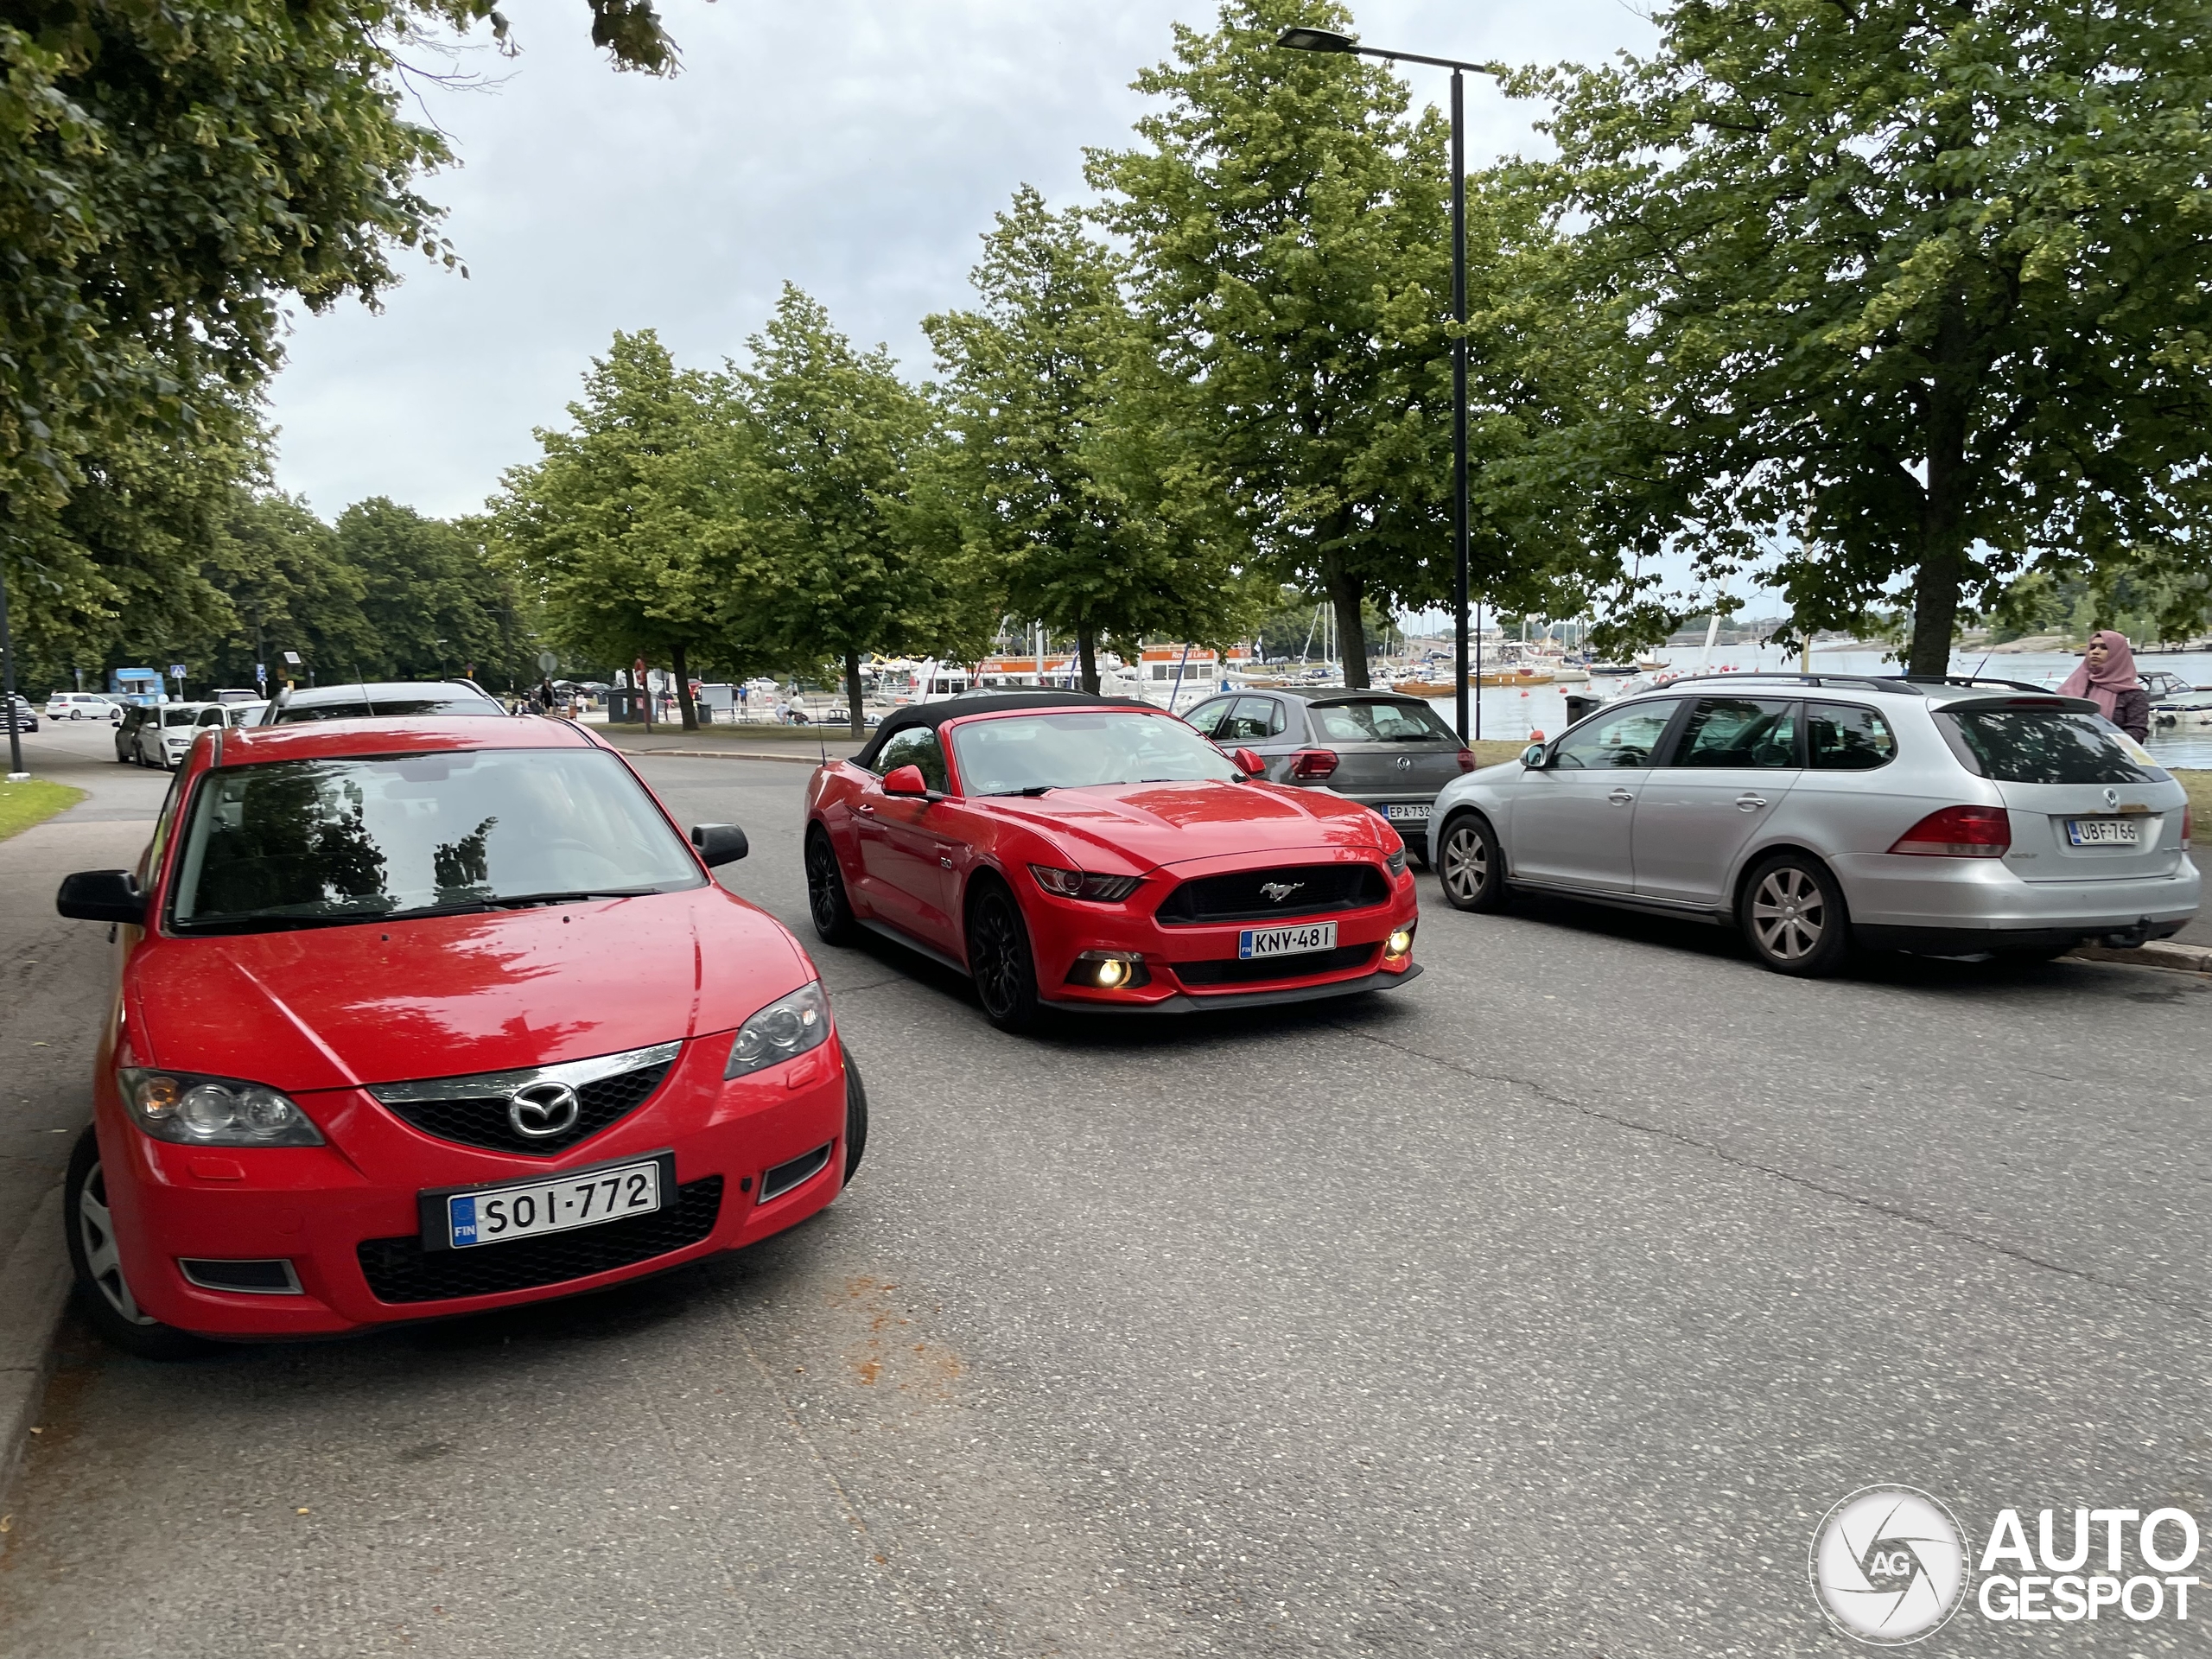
<point>81,705</point>
<point>167,735</point>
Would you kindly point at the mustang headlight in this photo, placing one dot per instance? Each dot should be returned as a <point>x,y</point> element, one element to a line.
<point>200,1111</point>
<point>788,1026</point>
<point>1076,884</point>
<point>1397,862</point>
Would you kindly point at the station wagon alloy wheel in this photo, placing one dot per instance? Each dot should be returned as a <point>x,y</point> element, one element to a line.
<point>1793,917</point>
<point>1470,865</point>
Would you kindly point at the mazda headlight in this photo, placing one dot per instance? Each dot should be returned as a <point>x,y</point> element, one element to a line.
<point>788,1026</point>
<point>199,1111</point>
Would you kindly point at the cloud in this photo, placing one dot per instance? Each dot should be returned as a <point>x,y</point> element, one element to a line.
<point>855,147</point>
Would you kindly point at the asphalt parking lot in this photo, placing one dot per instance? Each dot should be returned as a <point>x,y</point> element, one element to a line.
<point>1539,1308</point>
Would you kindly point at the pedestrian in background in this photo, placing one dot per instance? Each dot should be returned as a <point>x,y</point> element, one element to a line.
<point>2107,677</point>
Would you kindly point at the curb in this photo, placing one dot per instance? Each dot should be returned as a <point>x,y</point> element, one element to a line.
<point>33,1289</point>
<point>2159,953</point>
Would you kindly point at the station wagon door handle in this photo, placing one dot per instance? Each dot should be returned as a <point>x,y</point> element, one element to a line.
<point>1751,803</point>
<point>1621,796</point>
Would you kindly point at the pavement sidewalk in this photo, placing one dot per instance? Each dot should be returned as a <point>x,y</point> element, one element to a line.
<point>55,989</point>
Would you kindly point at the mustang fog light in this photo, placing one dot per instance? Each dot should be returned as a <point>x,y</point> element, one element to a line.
<point>787,1027</point>
<point>199,1111</point>
<point>1399,943</point>
<point>1110,970</point>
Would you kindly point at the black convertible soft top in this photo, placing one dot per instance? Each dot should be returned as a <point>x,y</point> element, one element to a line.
<point>934,715</point>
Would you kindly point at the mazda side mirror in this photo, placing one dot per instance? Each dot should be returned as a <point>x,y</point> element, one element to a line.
<point>906,781</point>
<point>1535,757</point>
<point>102,896</point>
<point>718,844</point>
<point>1249,763</point>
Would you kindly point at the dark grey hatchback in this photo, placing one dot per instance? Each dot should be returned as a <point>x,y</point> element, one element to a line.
<point>1382,749</point>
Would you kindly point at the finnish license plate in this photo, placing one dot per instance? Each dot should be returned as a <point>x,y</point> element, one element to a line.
<point>1415,812</point>
<point>556,1204</point>
<point>1286,941</point>
<point>2104,832</point>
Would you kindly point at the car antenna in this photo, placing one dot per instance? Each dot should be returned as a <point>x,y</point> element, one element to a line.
<point>362,685</point>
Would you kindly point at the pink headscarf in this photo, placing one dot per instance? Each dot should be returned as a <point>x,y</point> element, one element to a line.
<point>2104,684</point>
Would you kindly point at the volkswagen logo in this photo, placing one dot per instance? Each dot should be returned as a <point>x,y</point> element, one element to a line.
<point>2111,797</point>
<point>541,1110</point>
<point>1279,891</point>
<point>1405,763</point>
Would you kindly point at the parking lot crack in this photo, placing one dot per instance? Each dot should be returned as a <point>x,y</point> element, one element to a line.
<point>1858,1200</point>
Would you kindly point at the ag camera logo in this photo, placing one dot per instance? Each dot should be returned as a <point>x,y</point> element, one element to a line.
<point>1889,1565</point>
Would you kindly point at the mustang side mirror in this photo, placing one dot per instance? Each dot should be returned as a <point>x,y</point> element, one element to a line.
<point>718,844</point>
<point>102,896</point>
<point>1535,757</point>
<point>906,781</point>
<point>1249,763</point>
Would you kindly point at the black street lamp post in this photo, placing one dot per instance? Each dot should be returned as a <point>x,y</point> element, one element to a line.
<point>15,772</point>
<point>1323,40</point>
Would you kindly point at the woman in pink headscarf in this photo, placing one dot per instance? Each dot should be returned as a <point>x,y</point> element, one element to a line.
<point>2107,676</point>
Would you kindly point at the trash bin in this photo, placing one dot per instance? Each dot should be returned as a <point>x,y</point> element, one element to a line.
<point>1581,705</point>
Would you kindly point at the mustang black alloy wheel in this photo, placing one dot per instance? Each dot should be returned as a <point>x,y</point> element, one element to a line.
<point>998,955</point>
<point>825,890</point>
<point>1471,864</point>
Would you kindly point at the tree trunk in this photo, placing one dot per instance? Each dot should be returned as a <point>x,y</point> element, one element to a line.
<point>1345,592</point>
<point>690,710</point>
<point>853,694</point>
<point>1086,646</point>
<point>1943,549</point>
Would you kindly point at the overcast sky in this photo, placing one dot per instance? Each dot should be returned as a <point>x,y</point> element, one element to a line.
<point>855,147</point>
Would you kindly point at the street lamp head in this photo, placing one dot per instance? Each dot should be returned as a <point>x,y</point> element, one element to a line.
<point>1316,40</point>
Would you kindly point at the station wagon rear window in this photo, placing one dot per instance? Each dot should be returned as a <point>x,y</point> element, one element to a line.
<point>2044,746</point>
<point>1383,721</point>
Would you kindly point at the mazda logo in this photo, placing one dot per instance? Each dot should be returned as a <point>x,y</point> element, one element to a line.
<point>541,1110</point>
<point>1279,891</point>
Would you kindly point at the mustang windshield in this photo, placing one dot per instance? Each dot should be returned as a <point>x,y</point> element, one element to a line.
<point>1031,754</point>
<point>303,843</point>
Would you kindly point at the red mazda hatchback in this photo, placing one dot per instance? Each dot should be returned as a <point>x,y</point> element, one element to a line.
<point>1097,855</point>
<point>424,1017</point>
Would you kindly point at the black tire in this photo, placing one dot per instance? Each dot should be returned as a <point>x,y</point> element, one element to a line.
<point>855,1115</point>
<point>1471,864</point>
<point>826,891</point>
<point>1000,959</point>
<point>103,1296</point>
<point>1792,915</point>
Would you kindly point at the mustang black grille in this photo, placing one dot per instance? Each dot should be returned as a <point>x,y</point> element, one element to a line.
<point>1237,971</point>
<point>1237,896</point>
<point>484,1123</point>
<point>401,1270</point>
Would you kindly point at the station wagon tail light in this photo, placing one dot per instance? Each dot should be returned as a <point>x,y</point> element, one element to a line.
<point>1077,884</point>
<point>1466,759</point>
<point>2188,821</point>
<point>198,1111</point>
<point>1960,832</point>
<point>1311,766</point>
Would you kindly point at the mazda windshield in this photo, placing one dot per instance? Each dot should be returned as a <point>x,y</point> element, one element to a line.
<point>304,843</point>
<point>1029,754</point>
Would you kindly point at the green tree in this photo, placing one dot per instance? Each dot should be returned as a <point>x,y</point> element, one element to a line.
<point>1055,497</point>
<point>1291,261</point>
<point>839,555</point>
<point>1917,292</point>
<point>433,600</point>
<point>617,530</point>
<point>289,589</point>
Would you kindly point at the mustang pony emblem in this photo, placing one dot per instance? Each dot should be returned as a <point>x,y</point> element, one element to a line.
<point>1279,891</point>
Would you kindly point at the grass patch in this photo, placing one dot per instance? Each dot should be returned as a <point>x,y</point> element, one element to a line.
<point>23,805</point>
<point>2198,783</point>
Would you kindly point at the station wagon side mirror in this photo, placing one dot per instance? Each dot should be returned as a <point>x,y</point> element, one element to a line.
<point>718,844</point>
<point>906,781</point>
<point>1248,762</point>
<point>102,896</point>
<point>1535,757</point>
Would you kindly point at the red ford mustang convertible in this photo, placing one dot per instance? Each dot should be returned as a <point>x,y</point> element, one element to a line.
<point>427,1016</point>
<point>1095,854</point>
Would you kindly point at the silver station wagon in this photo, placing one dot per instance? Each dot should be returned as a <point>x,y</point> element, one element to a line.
<point>1383,749</point>
<point>1953,817</point>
